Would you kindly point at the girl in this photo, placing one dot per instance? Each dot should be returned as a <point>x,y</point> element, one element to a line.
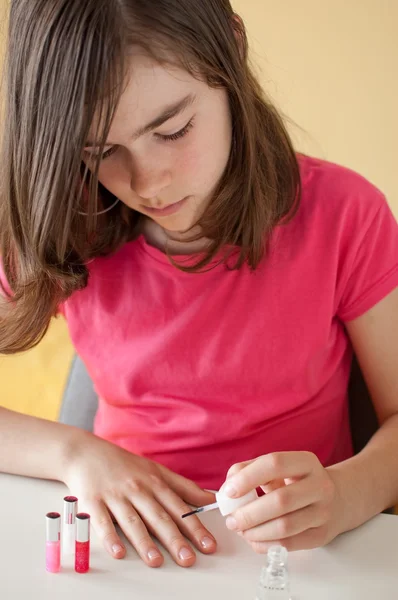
<point>214,282</point>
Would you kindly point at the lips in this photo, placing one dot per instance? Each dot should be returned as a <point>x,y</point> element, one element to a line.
<point>165,211</point>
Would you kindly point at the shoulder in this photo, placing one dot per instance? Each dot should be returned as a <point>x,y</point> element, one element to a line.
<point>331,191</point>
<point>337,202</point>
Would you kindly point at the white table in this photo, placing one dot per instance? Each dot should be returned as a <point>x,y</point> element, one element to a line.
<point>360,565</point>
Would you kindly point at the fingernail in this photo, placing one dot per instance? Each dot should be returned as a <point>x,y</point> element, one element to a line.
<point>116,548</point>
<point>231,523</point>
<point>207,543</point>
<point>154,554</point>
<point>185,554</point>
<point>229,490</point>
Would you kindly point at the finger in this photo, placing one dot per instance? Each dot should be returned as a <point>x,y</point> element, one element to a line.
<point>136,532</point>
<point>287,526</point>
<point>273,505</point>
<point>160,523</point>
<point>105,529</point>
<point>192,528</point>
<point>274,485</point>
<point>237,468</point>
<point>185,488</point>
<point>307,540</point>
<point>268,468</point>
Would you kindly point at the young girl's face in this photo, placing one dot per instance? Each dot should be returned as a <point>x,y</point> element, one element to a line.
<point>168,145</point>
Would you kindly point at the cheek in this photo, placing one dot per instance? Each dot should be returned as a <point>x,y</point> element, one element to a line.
<point>114,177</point>
<point>204,161</point>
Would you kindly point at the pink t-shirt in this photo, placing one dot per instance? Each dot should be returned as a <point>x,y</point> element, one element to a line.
<point>200,371</point>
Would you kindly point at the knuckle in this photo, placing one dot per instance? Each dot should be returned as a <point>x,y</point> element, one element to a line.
<point>176,541</point>
<point>103,523</point>
<point>282,500</point>
<point>243,519</point>
<point>275,461</point>
<point>234,470</point>
<point>143,541</point>
<point>163,517</point>
<point>110,535</point>
<point>132,519</point>
<point>157,482</point>
<point>196,528</point>
<point>134,485</point>
<point>310,456</point>
<point>283,528</point>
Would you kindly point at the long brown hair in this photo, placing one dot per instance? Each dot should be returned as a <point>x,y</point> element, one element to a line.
<point>64,66</point>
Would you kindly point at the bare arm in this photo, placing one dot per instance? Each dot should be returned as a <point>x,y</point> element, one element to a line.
<point>107,478</point>
<point>35,447</point>
<point>370,479</point>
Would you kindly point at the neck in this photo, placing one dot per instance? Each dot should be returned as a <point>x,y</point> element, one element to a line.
<point>174,242</point>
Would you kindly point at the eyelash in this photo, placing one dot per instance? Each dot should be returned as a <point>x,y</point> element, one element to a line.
<point>166,138</point>
<point>180,134</point>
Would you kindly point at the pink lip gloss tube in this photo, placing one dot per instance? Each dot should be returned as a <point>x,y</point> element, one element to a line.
<point>53,542</point>
<point>82,552</point>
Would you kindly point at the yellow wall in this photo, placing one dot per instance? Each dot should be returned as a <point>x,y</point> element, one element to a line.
<point>331,66</point>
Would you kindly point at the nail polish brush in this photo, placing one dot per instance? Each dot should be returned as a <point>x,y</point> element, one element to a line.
<point>225,504</point>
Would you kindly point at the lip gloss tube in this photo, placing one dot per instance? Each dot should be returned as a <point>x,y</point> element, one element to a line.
<point>53,542</point>
<point>69,526</point>
<point>82,552</point>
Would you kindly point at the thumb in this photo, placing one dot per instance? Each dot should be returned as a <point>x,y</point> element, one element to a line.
<point>187,489</point>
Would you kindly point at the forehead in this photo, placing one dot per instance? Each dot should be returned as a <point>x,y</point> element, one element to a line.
<point>149,87</point>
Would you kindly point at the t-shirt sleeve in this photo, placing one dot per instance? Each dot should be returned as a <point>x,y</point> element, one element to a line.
<point>370,269</point>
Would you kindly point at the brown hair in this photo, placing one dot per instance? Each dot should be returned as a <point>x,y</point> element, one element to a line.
<point>65,65</point>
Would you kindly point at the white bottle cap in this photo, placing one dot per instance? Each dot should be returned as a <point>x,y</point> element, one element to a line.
<point>228,505</point>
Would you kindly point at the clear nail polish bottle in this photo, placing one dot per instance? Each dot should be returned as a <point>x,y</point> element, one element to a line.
<point>274,579</point>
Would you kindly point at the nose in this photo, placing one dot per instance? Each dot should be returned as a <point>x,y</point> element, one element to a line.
<point>149,180</point>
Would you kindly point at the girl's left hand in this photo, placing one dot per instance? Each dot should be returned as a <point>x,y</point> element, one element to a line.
<point>301,508</point>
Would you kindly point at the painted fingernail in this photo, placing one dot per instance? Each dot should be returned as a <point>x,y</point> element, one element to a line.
<point>207,542</point>
<point>154,554</point>
<point>185,553</point>
<point>117,548</point>
<point>229,490</point>
<point>231,523</point>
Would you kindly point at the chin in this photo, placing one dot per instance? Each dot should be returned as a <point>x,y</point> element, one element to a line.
<point>176,225</point>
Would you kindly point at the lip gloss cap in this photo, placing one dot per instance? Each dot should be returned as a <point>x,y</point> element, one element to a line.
<point>82,527</point>
<point>53,527</point>
<point>70,510</point>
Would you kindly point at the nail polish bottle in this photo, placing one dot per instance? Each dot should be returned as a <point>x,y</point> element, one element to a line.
<point>274,579</point>
<point>228,505</point>
<point>53,542</point>
<point>69,526</point>
<point>82,548</point>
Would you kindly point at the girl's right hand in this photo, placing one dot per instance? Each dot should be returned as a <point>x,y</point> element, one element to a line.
<point>143,497</point>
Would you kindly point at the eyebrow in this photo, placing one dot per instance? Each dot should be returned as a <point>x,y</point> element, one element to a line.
<point>168,113</point>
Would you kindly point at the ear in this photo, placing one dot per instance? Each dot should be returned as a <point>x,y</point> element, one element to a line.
<point>240,35</point>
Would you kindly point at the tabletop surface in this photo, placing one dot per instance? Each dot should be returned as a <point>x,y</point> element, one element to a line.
<point>358,565</point>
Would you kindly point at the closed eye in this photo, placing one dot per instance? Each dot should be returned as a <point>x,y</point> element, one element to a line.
<point>166,138</point>
<point>179,134</point>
